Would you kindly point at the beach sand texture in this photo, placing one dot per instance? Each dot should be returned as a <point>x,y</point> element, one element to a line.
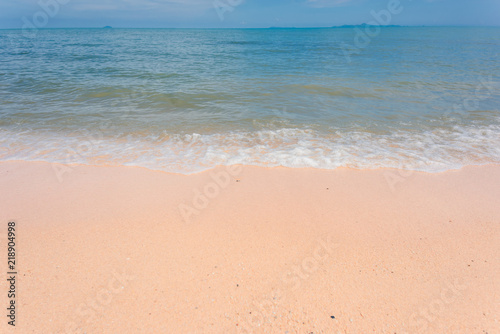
<point>253,250</point>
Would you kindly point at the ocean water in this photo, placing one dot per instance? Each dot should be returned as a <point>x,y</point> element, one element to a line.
<point>186,100</point>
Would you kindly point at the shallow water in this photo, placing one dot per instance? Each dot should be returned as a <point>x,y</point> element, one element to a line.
<point>185,100</point>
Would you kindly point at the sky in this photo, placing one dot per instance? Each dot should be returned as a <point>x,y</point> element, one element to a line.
<point>244,13</point>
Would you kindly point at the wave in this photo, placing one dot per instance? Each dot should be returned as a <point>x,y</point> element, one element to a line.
<point>432,151</point>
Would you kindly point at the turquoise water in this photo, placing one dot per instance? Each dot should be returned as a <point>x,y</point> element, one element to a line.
<point>185,100</point>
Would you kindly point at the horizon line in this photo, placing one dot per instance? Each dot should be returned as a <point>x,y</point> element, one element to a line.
<point>271,27</point>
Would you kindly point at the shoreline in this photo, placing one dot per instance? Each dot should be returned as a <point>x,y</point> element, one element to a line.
<point>247,249</point>
<point>216,167</point>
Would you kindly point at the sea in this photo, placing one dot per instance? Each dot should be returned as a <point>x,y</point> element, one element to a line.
<point>187,100</point>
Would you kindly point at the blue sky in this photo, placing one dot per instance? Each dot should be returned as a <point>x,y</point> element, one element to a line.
<point>242,13</point>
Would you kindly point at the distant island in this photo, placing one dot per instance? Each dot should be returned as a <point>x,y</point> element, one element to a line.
<point>362,25</point>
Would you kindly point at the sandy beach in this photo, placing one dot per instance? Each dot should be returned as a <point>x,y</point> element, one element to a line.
<point>252,250</point>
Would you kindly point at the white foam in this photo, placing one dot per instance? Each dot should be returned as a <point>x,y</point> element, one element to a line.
<point>432,151</point>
